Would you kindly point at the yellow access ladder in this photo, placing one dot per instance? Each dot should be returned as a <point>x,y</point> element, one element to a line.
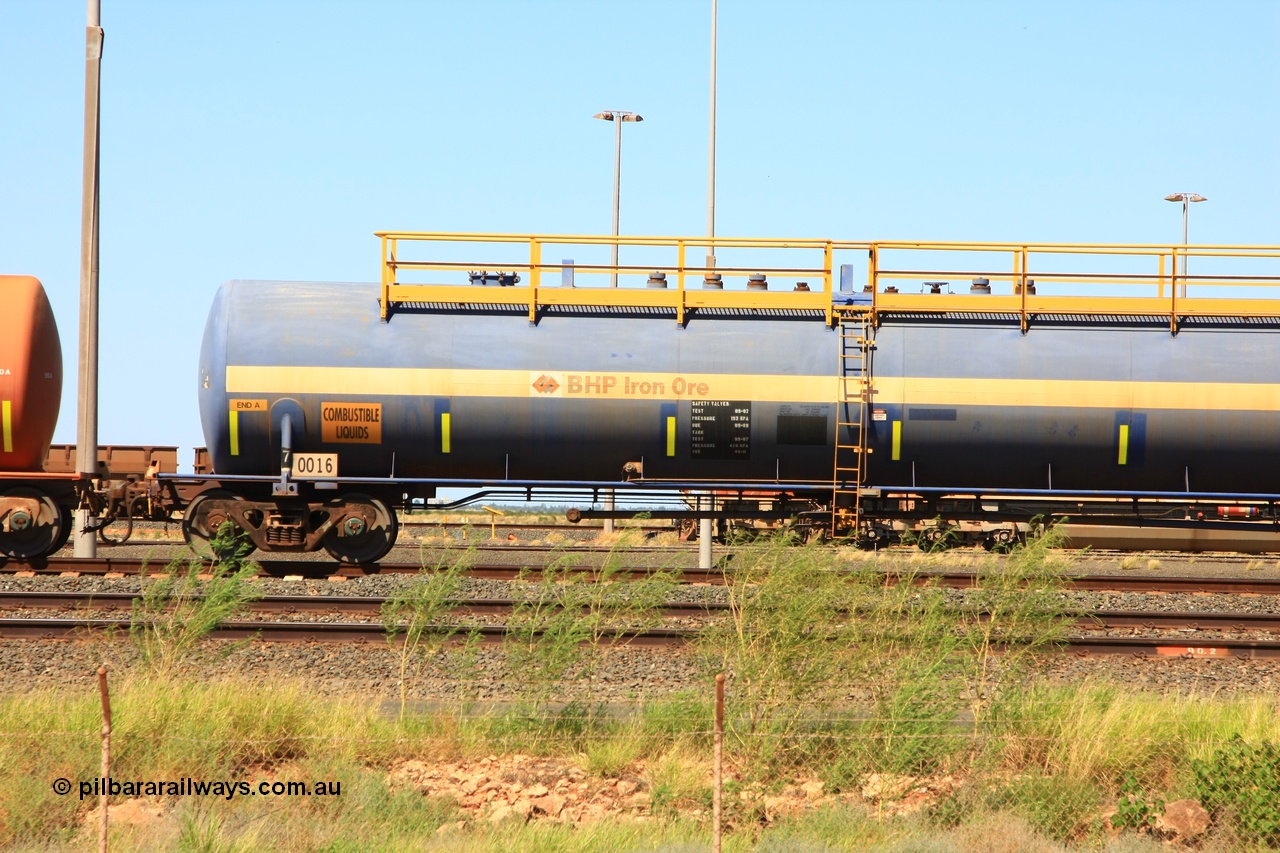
<point>852,386</point>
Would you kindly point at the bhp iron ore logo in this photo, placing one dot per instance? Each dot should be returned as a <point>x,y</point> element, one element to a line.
<point>545,384</point>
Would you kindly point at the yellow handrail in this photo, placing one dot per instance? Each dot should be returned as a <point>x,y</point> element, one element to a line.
<point>815,293</point>
<point>1060,271</point>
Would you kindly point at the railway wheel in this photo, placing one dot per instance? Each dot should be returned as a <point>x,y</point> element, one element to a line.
<point>68,523</point>
<point>814,534</point>
<point>933,539</point>
<point>1000,541</point>
<point>365,536</point>
<point>28,538</point>
<point>201,521</point>
<point>871,537</point>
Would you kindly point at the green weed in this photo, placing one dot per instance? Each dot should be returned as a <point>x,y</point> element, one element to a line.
<point>1241,783</point>
<point>179,609</point>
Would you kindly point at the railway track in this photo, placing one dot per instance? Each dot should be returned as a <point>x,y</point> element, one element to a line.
<point>122,567</point>
<point>370,632</point>
<point>375,631</point>
<point>287,604</point>
<point>295,632</point>
<point>358,605</point>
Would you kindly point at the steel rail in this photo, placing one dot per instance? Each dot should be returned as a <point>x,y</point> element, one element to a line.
<point>715,576</point>
<point>285,604</point>
<point>352,605</point>
<point>1121,583</point>
<point>367,632</point>
<point>311,632</point>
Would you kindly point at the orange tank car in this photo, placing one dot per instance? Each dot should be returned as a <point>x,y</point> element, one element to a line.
<point>30,373</point>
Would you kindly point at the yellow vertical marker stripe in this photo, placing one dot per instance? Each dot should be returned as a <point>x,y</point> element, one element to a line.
<point>6,424</point>
<point>446,437</point>
<point>897,440</point>
<point>235,433</point>
<point>1124,444</point>
<point>671,436</point>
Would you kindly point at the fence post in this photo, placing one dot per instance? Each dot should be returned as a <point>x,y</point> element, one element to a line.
<point>106,756</point>
<point>718,771</point>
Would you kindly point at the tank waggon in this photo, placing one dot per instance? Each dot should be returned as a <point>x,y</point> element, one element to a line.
<point>30,374</point>
<point>1076,405</point>
<point>1081,418</point>
<point>34,506</point>
<point>472,393</point>
<point>40,483</point>
<point>871,415</point>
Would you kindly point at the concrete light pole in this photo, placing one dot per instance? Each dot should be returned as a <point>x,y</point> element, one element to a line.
<point>85,545</point>
<point>1186,199</point>
<point>704,524</point>
<point>617,116</point>
<point>711,156</point>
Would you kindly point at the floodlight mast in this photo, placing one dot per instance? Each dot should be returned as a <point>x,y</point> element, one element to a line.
<point>1186,199</point>
<point>618,117</point>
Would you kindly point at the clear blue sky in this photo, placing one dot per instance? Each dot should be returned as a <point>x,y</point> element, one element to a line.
<point>271,139</point>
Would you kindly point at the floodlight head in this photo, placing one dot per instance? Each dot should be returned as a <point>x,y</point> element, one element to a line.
<point>1185,197</point>
<point>617,115</point>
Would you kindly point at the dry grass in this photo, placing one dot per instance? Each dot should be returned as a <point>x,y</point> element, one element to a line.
<point>621,539</point>
<point>1086,738</point>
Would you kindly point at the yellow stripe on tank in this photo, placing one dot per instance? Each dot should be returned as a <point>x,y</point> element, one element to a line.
<point>1077,394</point>
<point>538,384</point>
<point>1124,444</point>
<point>897,441</point>
<point>446,433</point>
<point>671,436</point>
<point>6,424</point>
<point>764,388</point>
<point>235,433</point>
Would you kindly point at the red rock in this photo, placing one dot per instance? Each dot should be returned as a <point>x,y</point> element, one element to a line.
<point>1184,819</point>
<point>550,805</point>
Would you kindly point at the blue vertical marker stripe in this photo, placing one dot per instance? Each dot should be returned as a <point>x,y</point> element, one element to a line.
<point>1130,433</point>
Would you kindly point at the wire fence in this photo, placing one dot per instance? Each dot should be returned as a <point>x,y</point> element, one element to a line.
<point>1077,768</point>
